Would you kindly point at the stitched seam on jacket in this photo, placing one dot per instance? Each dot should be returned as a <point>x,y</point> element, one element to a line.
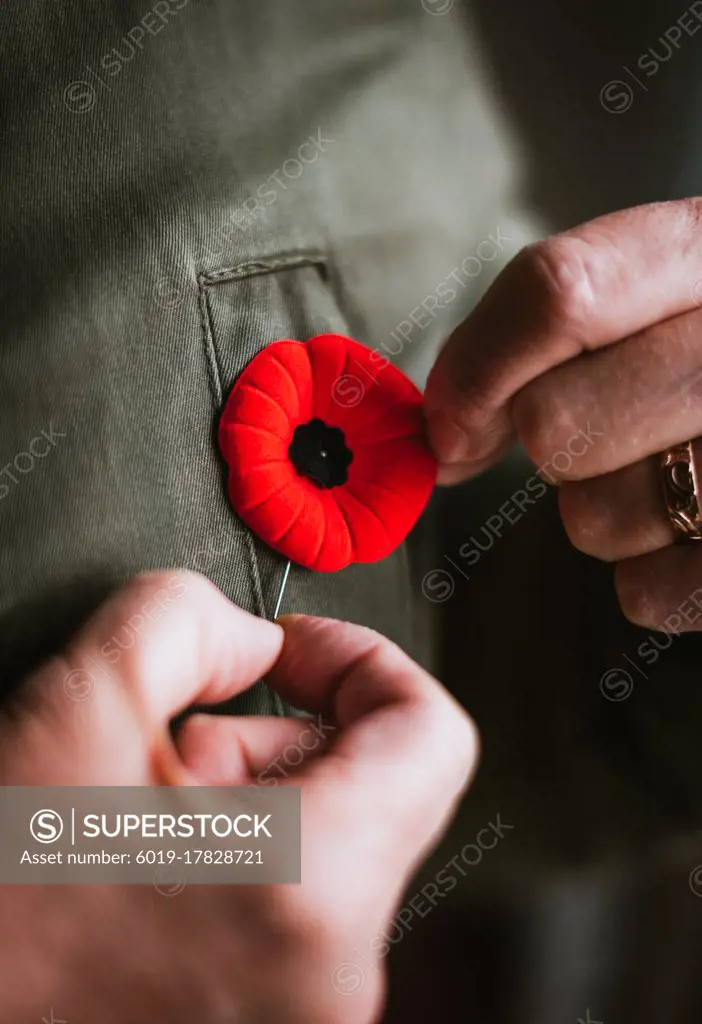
<point>267,265</point>
<point>210,354</point>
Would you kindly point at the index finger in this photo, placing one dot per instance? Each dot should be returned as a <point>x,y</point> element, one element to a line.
<point>404,747</point>
<point>575,292</point>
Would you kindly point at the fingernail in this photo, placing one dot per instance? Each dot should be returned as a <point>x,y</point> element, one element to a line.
<point>449,441</point>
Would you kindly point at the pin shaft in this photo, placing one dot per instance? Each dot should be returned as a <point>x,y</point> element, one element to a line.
<point>278,603</point>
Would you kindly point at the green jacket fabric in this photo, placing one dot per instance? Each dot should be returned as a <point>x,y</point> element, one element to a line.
<point>181,185</point>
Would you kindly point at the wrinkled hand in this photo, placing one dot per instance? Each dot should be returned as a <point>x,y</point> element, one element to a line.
<point>375,796</point>
<point>588,349</point>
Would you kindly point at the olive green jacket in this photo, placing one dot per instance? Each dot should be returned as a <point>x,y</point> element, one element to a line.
<point>181,185</point>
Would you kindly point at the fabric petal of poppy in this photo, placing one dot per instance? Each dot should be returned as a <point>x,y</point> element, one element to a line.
<point>377,426</point>
<point>258,408</point>
<point>286,375</point>
<point>337,549</point>
<point>259,485</point>
<point>370,538</point>
<point>390,507</point>
<point>328,360</point>
<point>277,514</point>
<point>253,445</point>
<point>378,479</point>
<point>374,390</point>
<point>321,519</point>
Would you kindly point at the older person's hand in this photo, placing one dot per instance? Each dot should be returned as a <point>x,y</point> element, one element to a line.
<point>588,348</point>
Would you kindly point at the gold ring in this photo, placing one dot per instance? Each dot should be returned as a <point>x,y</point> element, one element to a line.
<point>681,490</point>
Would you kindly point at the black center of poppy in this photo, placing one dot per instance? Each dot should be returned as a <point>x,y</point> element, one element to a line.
<point>319,452</point>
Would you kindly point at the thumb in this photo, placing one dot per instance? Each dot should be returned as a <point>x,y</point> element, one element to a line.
<point>101,710</point>
<point>172,639</point>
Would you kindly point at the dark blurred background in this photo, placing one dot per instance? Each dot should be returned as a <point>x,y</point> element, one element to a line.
<point>589,907</point>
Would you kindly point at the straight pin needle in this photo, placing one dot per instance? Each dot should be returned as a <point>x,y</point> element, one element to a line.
<point>281,591</point>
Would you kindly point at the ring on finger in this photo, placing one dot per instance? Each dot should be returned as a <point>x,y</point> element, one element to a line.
<point>681,490</point>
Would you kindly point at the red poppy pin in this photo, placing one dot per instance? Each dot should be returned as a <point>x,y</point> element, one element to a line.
<point>326,451</point>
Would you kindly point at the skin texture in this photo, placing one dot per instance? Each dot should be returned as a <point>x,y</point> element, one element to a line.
<point>244,954</point>
<point>598,331</point>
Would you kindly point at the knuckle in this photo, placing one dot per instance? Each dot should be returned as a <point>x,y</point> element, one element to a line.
<point>42,691</point>
<point>687,218</point>
<point>588,529</point>
<point>545,424</point>
<point>124,631</point>
<point>637,602</point>
<point>559,274</point>
<point>455,723</point>
<point>456,740</point>
<point>158,579</point>
<point>138,589</point>
<point>469,746</point>
<point>181,586</point>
